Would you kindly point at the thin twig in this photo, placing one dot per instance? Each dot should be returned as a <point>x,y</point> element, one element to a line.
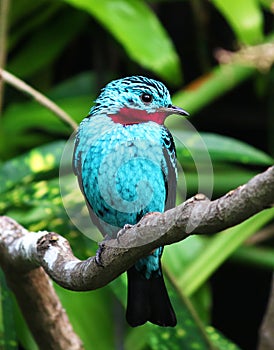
<point>40,98</point>
<point>260,56</point>
<point>4,10</point>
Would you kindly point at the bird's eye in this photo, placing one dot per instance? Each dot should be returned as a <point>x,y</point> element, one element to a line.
<point>146,98</point>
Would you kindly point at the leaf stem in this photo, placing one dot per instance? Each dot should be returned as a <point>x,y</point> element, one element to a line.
<point>4,9</point>
<point>40,98</point>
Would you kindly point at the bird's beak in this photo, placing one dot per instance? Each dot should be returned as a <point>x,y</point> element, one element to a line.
<point>173,110</point>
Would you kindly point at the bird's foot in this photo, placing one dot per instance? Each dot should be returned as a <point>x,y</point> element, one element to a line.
<point>98,258</point>
<point>123,231</point>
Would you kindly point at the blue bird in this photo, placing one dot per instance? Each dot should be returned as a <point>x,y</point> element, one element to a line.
<point>125,161</point>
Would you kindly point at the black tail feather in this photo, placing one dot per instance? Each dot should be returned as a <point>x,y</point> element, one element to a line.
<point>148,301</point>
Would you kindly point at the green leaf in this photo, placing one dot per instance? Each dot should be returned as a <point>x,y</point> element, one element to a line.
<point>24,335</point>
<point>209,88</point>
<point>191,181</point>
<point>182,254</point>
<point>8,337</point>
<point>245,18</point>
<point>25,168</point>
<point>220,342</point>
<point>49,41</point>
<point>267,4</point>
<point>220,148</point>
<point>91,315</point>
<point>80,85</point>
<point>20,130</point>
<point>257,256</point>
<point>24,8</point>
<point>219,248</point>
<point>26,17</point>
<point>139,31</point>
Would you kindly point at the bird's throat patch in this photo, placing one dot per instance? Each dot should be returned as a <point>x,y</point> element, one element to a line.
<point>128,116</point>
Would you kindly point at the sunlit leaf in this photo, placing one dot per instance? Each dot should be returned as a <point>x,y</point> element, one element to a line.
<point>220,342</point>
<point>23,169</point>
<point>245,18</point>
<point>138,29</point>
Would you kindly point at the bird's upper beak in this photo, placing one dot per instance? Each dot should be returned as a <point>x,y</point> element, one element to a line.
<point>173,110</point>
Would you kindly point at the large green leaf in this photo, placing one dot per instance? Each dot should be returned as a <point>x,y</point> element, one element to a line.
<point>267,4</point>
<point>49,41</point>
<point>8,339</point>
<point>219,147</point>
<point>25,168</point>
<point>22,331</point>
<point>192,180</point>
<point>37,125</point>
<point>256,256</point>
<point>91,315</point>
<point>175,260</point>
<point>219,248</point>
<point>245,18</point>
<point>137,28</point>
<point>210,87</point>
<point>27,16</point>
<point>219,341</point>
<point>20,10</point>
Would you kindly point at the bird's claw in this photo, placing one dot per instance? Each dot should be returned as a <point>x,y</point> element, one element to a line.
<point>123,231</point>
<point>98,254</point>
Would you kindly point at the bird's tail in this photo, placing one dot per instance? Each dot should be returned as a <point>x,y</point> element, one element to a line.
<point>148,301</point>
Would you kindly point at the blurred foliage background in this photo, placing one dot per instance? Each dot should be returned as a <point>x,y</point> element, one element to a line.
<point>68,50</point>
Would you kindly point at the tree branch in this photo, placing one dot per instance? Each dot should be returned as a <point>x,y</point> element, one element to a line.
<point>198,215</point>
<point>4,11</point>
<point>40,98</point>
<point>23,253</point>
<point>35,294</point>
<point>260,56</point>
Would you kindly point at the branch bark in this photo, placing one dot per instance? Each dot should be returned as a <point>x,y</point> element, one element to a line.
<point>198,215</point>
<point>23,253</point>
<point>35,294</point>
<point>19,84</point>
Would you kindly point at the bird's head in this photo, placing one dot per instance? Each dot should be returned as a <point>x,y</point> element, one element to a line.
<point>134,100</point>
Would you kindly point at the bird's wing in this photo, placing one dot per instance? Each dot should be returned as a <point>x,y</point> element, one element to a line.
<point>170,175</point>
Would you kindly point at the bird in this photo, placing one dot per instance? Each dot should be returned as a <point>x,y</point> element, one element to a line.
<point>125,161</point>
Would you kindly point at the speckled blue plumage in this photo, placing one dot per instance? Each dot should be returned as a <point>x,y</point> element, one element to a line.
<point>127,169</point>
